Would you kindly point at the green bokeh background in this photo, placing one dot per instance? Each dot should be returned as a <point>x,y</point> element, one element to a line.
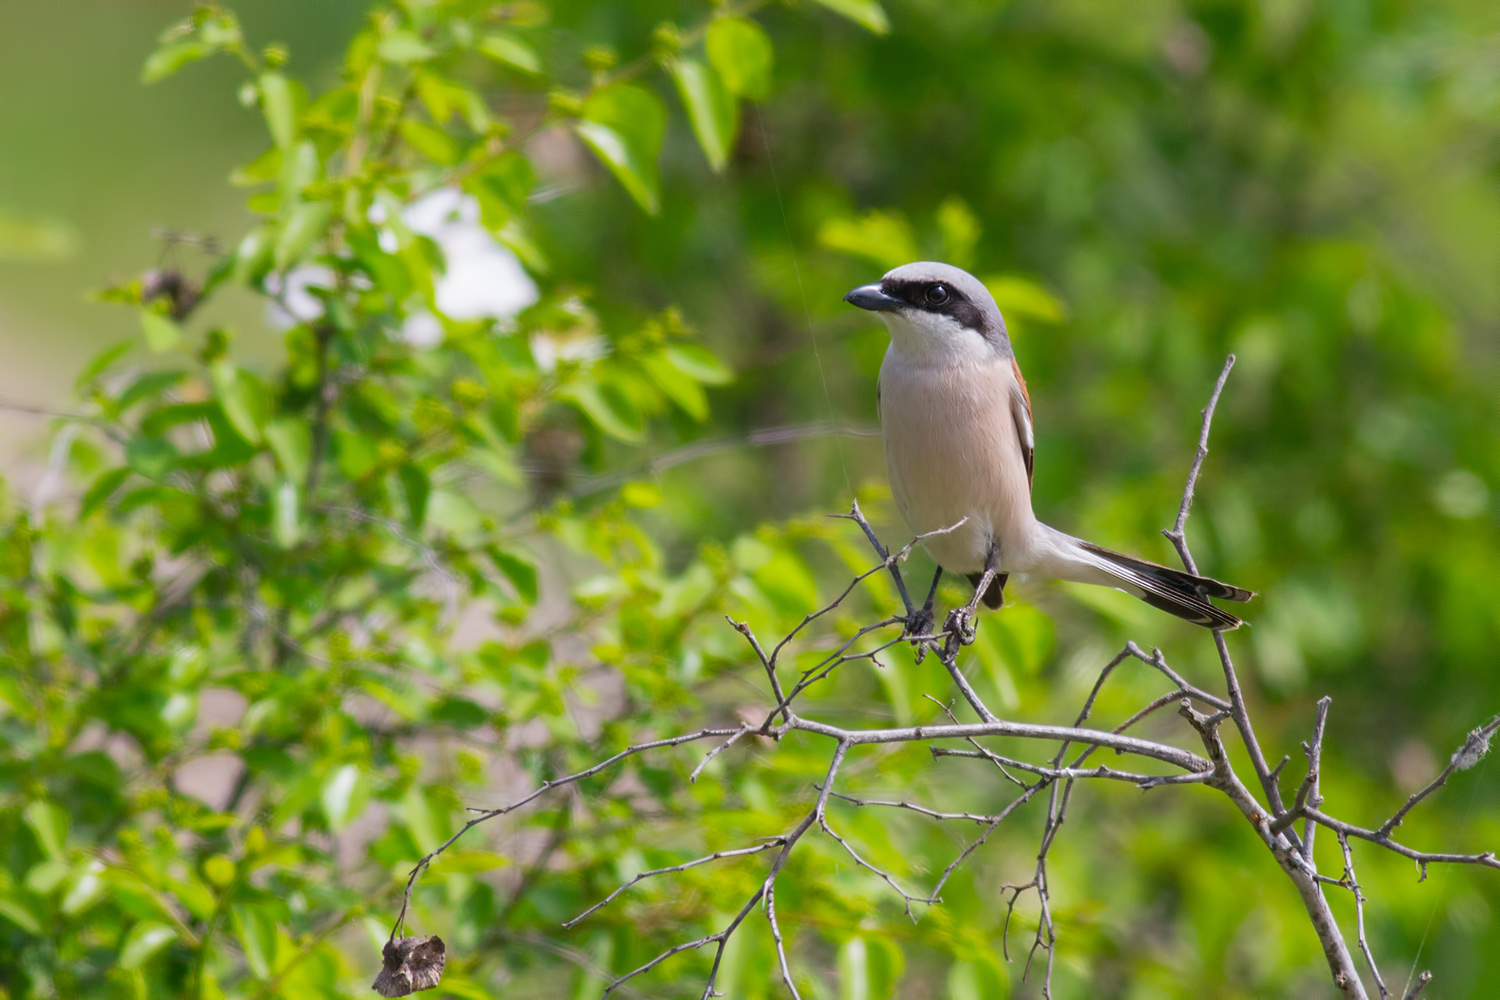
<point>1314,186</point>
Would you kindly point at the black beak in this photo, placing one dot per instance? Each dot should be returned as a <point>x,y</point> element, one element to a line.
<point>872,298</point>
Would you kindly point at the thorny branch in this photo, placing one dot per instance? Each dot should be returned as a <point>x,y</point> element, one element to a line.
<point>1273,821</point>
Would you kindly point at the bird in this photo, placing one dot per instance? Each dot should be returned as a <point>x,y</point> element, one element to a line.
<point>960,445</point>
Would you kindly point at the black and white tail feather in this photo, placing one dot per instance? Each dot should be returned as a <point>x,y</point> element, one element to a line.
<point>1171,590</point>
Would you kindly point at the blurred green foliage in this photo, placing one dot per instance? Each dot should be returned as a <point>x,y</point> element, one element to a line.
<point>286,622</point>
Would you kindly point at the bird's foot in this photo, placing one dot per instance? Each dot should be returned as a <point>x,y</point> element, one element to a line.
<point>919,623</point>
<point>961,625</point>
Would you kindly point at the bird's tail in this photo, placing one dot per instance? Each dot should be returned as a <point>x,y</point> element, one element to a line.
<point>1173,591</point>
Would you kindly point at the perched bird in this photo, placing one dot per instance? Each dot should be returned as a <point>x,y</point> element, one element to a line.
<point>958,435</point>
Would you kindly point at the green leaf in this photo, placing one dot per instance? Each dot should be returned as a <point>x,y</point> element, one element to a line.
<point>607,412</point>
<point>279,105</point>
<point>252,258</point>
<point>404,47</point>
<point>642,495</point>
<point>1020,296</point>
<point>887,963</point>
<point>19,914</point>
<point>854,970</point>
<point>511,51</point>
<point>345,794</point>
<point>520,572</point>
<point>961,230</point>
<point>679,387</point>
<point>219,869</point>
<point>244,398</point>
<point>150,385</point>
<point>172,57</point>
<point>511,177</point>
<point>433,143</point>
<point>470,862</point>
<point>87,888</point>
<point>420,820</point>
<point>257,933</point>
<point>291,443</point>
<point>740,50</point>
<point>415,488</point>
<point>50,824</point>
<point>516,237</point>
<point>305,225</point>
<point>976,980</point>
<point>711,108</point>
<point>460,713</point>
<point>987,649</point>
<point>1115,605</point>
<point>624,126</point>
<point>1024,637</point>
<point>101,490</point>
<point>152,457</point>
<point>300,168</point>
<point>162,333</point>
<point>43,879</point>
<point>286,521</point>
<point>99,364</point>
<point>699,362</point>
<point>788,582</point>
<point>144,940</point>
<point>866,13</point>
<point>883,238</point>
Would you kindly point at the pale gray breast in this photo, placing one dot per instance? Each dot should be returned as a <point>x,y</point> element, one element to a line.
<point>952,452</point>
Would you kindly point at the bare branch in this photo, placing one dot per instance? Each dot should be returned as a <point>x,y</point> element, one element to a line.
<point>913,807</point>
<point>1314,751</point>
<point>1101,771</point>
<point>978,842</point>
<point>707,859</point>
<point>692,778</point>
<point>1465,757</point>
<point>545,787</point>
<point>1423,978</point>
<point>858,517</point>
<point>1163,752</point>
<point>1177,536</point>
<point>1176,533</point>
<point>1352,883</point>
<point>889,879</point>
<point>979,747</point>
<point>786,968</point>
<point>1301,874</point>
<point>1423,858</point>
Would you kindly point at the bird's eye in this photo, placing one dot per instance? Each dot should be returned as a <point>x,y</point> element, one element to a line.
<point>937,294</point>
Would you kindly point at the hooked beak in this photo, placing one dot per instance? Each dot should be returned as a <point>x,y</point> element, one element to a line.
<point>872,298</point>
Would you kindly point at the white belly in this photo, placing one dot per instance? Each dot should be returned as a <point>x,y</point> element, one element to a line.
<point>953,454</point>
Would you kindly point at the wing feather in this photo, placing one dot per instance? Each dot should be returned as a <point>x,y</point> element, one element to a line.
<point>1020,405</point>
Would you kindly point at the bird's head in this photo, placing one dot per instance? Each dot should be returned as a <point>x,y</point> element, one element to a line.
<point>937,313</point>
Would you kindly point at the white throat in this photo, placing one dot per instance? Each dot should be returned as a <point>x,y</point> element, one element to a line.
<point>935,340</point>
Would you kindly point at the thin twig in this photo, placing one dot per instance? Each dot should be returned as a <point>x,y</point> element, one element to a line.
<point>1352,883</point>
<point>706,859</point>
<point>545,787</point>
<point>1466,756</point>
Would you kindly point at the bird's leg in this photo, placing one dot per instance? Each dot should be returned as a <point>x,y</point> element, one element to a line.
<point>960,622</point>
<point>921,622</point>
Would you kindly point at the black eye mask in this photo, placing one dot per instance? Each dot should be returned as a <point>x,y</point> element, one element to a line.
<point>948,302</point>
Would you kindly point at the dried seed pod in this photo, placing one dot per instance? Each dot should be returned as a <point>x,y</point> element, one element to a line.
<point>411,964</point>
